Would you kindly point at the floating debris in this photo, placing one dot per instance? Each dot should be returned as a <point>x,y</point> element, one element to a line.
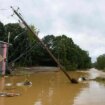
<point>19,84</point>
<point>8,84</point>
<point>26,83</point>
<point>6,94</point>
<point>80,79</point>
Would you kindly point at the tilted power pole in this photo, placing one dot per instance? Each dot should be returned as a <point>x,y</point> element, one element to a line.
<point>46,48</point>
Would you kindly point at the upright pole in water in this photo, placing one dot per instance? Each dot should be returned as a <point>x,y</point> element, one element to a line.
<point>7,50</point>
<point>53,57</point>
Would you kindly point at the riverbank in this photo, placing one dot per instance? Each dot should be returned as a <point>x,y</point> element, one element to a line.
<point>31,70</point>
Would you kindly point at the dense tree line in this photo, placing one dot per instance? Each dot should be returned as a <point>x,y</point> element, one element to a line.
<point>100,63</point>
<point>31,53</point>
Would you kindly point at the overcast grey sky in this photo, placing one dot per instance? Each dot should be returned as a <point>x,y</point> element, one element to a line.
<point>82,20</point>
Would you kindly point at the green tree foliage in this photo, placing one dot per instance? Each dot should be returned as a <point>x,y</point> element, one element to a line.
<point>70,55</point>
<point>100,63</point>
<point>19,41</point>
<point>30,35</point>
<point>23,43</point>
<point>2,32</point>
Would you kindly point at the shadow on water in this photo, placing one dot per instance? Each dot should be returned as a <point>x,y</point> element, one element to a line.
<point>52,88</point>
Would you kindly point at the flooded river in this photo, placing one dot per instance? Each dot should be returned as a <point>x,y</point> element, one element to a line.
<point>53,88</point>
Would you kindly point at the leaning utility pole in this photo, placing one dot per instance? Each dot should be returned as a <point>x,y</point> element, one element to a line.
<point>46,48</point>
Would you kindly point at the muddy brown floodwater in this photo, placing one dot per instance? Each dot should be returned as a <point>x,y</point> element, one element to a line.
<point>53,88</point>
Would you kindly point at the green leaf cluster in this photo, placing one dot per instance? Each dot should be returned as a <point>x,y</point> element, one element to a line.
<point>70,55</point>
<point>100,63</point>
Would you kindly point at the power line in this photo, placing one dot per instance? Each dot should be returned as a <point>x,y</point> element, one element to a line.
<point>19,35</point>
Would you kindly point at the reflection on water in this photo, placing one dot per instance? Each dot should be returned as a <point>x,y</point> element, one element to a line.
<point>53,88</point>
<point>94,94</point>
<point>93,73</point>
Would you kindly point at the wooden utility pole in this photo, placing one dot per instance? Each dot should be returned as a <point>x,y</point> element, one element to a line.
<point>46,48</point>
